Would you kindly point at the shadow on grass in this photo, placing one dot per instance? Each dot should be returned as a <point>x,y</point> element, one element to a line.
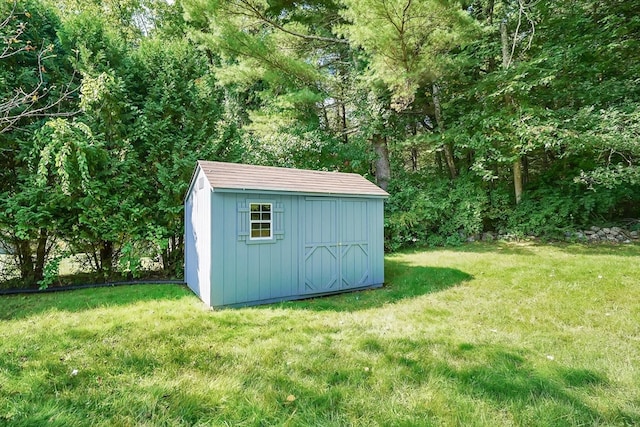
<point>504,376</point>
<point>403,281</point>
<point>22,306</point>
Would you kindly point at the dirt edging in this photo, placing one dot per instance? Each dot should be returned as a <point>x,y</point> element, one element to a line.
<point>88,286</point>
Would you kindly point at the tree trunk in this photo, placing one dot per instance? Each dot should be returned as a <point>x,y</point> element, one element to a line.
<point>545,160</point>
<point>106,257</point>
<point>448,152</point>
<point>25,260</point>
<point>470,157</point>
<point>439,162</point>
<point>32,265</point>
<point>41,255</point>
<point>172,256</point>
<point>504,38</point>
<point>506,63</point>
<point>343,117</point>
<point>517,179</point>
<point>414,159</point>
<point>382,164</point>
<point>488,12</point>
<point>414,150</point>
<point>325,116</point>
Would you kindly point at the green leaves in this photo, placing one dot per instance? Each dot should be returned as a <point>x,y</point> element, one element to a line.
<point>63,148</point>
<point>406,41</point>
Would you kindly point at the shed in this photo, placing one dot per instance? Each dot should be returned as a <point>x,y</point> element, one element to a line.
<point>260,234</point>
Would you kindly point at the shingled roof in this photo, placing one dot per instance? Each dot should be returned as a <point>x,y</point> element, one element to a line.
<point>234,176</point>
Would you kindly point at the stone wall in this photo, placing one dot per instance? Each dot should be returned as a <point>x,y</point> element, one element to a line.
<point>592,235</point>
<point>606,234</point>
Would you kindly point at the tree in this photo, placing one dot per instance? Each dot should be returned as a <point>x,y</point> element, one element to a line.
<point>509,43</point>
<point>109,213</point>
<point>179,120</point>
<point>37,74</point>
<point>537,91</point>
<point>297,76</point>
<point>27,33</point>
<point>407,42</point>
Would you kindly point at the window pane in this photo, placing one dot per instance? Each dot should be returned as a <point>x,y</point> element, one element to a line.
<point>260,220</point>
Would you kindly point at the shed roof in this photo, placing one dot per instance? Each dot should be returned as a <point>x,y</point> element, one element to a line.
<point>234,176</point>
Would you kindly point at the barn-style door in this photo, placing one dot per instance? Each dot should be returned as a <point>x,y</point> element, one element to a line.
<point>336,246</point>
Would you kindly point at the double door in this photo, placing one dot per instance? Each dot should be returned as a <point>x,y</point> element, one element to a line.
<point>336,245</point>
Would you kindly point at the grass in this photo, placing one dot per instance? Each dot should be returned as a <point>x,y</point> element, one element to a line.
<point>482,335</point>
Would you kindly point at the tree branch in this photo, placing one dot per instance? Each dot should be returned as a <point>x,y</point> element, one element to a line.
<point>25,103</point>
<point>256,13</point>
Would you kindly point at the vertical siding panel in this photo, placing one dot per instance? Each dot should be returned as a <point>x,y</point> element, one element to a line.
<point>203,219</point>
<point>372,210</point>
<point>281,260</point>
<point>268,272</point>
<point>283,250</point>
<point>274,255</point>
<point>364,225</point>
<point>301,224</point>
<point>368,234</point>
<point>277,263</point>
<point>264,270</point>
<point>377,230</point>
<point>216,245</point>
<point>318,224</point>
<point>241,267</point>
<point>274,268</point>
<point>380,226</point>
<point>307,237</point>
<point>229,252</point>
<point>190,252</point>
<point>294,244</point>
<point>242,256</point>
<point>253,276</point>
<point>344,235</point>
<point>355,257</point>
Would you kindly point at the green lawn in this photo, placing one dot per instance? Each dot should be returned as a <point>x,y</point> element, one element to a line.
<point>484,335</point>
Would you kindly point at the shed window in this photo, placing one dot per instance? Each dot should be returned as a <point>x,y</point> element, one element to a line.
<point>260,221</point>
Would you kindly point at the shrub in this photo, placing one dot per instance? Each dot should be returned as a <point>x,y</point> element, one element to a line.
<point>433,211</point>
<point>551,210</point>
<point>429,210</point>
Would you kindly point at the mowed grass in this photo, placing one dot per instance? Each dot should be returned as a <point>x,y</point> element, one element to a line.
<point>483,335</point>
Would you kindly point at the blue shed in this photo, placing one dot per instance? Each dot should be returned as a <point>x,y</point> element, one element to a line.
<point>259,234</point>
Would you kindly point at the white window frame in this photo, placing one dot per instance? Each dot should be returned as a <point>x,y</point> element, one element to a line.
<point>261,221</point>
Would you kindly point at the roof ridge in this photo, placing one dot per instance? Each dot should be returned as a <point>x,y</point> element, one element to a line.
<point>225,175</point>
<point>277,167</point>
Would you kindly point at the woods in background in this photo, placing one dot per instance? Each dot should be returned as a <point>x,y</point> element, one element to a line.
<point>514,116</point>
